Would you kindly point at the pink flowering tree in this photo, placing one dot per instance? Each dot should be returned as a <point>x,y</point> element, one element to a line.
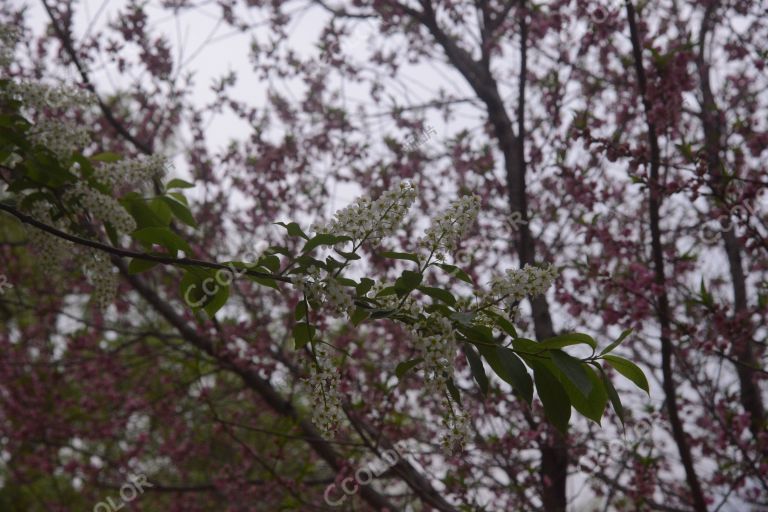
<point>162,331</point>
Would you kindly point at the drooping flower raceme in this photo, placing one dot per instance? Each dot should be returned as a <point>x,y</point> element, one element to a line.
<point>51,249</point>
<point>373,220</point>
<point>457,428</point>
<point>324,290</point>
<point>323,381</point>
<point>132,171</point>
<point>436,343</point>
<point>451,226</point>
<point>61,137</point>
<point>101,206</point>
<point>101,275</point>
<point>518,283</point>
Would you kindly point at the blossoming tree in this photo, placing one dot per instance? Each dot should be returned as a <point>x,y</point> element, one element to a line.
<point>173,334</point>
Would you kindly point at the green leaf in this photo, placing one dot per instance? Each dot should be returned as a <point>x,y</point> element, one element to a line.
<point>318,240</point>
<point>453,390</point>
<point>476,366</point>
<point>477,334</point>
<point>439,294</point>
<point>382,313</point>
<point>568,339</point>
<point>163,237</point>
<point>217,301</point>
<point>406,366</point>
<point>593,405</point>
<point>509,368</point>
<point>139,209</point>
<point>573,369</point>
<point>137,266</point>
<point>351,256</point>
<point>400,256</point>
<point>192,288</point>
<point>554,398</point>
<point>504,324</point>
<point>630,370</point>
<point>300,312</point>
<point>456,272</point>
<point>178,183</point>
<point>612,395</point>
<point>162,210</point>
<point>387,291</point>
<point>365,286</point>
<point>616,343</point>
<point>293,229</point>
<point>270,262</point>
<point>180,211</point>
<point>264,281</point>
<point>302,334</point>
<point>526,346</point>
<point>359,316</point>
<point>106,156</point>
<point>407,282</point>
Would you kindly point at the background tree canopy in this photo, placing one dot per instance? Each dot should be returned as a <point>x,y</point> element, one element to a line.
<point>557,199</point>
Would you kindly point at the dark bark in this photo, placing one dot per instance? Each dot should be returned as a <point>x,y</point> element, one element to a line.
<point>662,301</point>
<point>750,396</point>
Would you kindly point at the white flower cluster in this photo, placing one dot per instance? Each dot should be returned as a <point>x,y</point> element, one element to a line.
<point>40,96</point>
<point>337,295</point>
<point>324,290</point>
<point>323,380</point>
<point>438,350</point>
<point>131,171</point>
<point>519,283</point>
<point>457,425</point>
<point>102,207</point>
<point>61,137</point>
<point>7,40</point>
<point>451,226</point>
<point>50,249</point>
<point>373,220</point>
<point>101,275</point>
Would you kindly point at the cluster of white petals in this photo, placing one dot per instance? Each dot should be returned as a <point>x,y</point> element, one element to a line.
<point>102,207</point>
<point>324,290</point>
<point>457,430</point>
<point>528,281</point>
<point>338,297</point>
<point>40,96</point>
<point>7,40</point>
<point>131,171</point>
<point>61,137</point>
<point>451,226</point>
<point>323,381</point>
<point>373,220</point>
<point>101,274</point>
<point>51,249</point>
<point>438,349</point>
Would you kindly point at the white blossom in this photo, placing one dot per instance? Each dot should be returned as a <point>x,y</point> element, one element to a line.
<point>51,249</point>
<point>518,283</point>
<point>323,381</point>
<point>131,171</point>
<point>101,207</point>
<point>7,41</point>
<point>373,220</point>
<point>337,296</point>
<point>60,137</point>
<point>457,425</point>
<point>451,226</point>
<point>436,344</point>
<point>101,275</point>
<point>39,96</point>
